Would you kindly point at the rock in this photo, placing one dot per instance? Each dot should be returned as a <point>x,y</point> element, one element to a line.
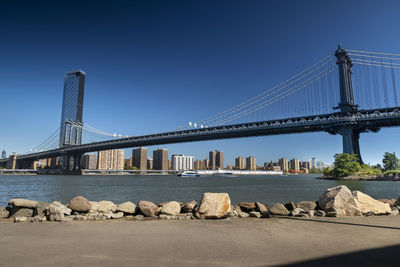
<point>171,208</point>
<point>247,206</point>
<point>290,206</point>
<point>164,217</point>
<point>162,204</point>
<point>261,208</point>
<point>307,205</point>
<point>36,219</point>
<point>391,202</point>
<point>214,206</point>
<point>149,209</point>
<point>58,207</point>
<point>20,212</point>
<point>320,213</point>
<point>117,215</point>
<point>255,214</point>
<point>278,209</point>
<point>68,218</point>
<point>339,201</point>
<point>80,204</point>
<point>80,217</point>
<point>297,212</point>
<point>103,206</point>
<point>395,211</point>
<point>4,213</point>
<point>20,219</point>
<point>189,207</point>
<point>139,217</point>
<point>22,203</point>
<point>127,208</point>
<point>41,209</point>
<point>243,214</point>
<point>368,205</point>
<point>108,215</point>
<point>310,212</point>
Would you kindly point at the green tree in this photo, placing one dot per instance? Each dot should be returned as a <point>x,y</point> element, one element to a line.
<point>390,161</point>
<point>345,165</point>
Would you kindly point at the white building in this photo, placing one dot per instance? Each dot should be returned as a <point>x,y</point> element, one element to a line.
<point>182,162</point>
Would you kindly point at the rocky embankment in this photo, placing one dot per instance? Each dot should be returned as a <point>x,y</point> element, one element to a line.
<point>335,202</point>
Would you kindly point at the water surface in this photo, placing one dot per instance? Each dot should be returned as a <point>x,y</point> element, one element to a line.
<point>120,188</point>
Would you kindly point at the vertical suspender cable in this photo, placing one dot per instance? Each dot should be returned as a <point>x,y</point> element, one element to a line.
<point>394,84</point>
<point>385,89</point>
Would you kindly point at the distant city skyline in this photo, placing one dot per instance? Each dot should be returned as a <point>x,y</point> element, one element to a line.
<point>164,78</point>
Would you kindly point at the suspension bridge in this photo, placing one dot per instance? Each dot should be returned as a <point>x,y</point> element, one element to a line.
<point>347,93</point>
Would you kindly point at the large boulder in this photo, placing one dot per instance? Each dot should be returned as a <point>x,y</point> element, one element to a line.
<point>261,208</point>
<point>22,203</point>
<point>80,204</point>
<point>20,212</point>
<point>4,213</point>
<point>56,211</point>
<point>391,202</point>
<point>171,208</point>
<point>290,206</point>
<point>149,209</point>
<point>127,207</point>
<point>40,209</point>
<point>214,206</point>
<point>371,206</point>
<point>339,201</point>
<point>307,205</point>
<point>103,206</point>
<point>278,209</point>
<point>189,207</point>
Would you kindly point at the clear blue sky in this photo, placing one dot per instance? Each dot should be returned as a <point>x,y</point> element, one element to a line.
<point>155,65</point>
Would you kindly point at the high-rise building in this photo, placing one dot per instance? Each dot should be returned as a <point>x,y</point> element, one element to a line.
<point>127,163</point>
<point>89,162</point>
<point>72,108</point>
<point>284,163</point>
<point>216,160</point>
<point>251,163</point>
<point>199,165</point>
<point>160,159</point>
<point>139,158</point>
<point>239,163</point>
<point>294,164</point>
<point>305,165</point>
<point>206,163</point>
<point>313,163</point>
<point>182,163</point>
<point>3,154</point>
<point>149,163</point>
<point>110,159</point>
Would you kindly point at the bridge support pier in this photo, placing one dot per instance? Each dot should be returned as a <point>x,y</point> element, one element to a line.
<point>12,162</point>
<point>71,164</point>
<point>350,139</point>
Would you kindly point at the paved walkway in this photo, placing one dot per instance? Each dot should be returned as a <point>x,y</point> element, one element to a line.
<point>231,242</point>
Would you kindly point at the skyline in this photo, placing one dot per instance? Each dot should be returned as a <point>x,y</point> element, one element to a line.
<point>183,72</point>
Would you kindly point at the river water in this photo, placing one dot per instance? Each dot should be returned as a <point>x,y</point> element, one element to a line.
<point>121,188</point>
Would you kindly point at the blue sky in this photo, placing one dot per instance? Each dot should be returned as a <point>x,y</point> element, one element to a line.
<point>155,65</point>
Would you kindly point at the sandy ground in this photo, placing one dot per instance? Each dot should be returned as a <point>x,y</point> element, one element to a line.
<point>366,241</point>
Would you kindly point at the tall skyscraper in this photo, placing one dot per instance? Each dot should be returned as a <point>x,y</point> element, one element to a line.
<point>251,163</point>
<point>89,162</point>
<point>139,158</point>
<point>199,165</point>
<point>284,163</point>
<point>111,159</point>
<point>294,164</point>
<point>160,159</point>
<point>3,154</point>
<point>72,108</point>
<point>216,159</point>
<point>182,162</point>
<point>239,163</point>
<point>313,163</point>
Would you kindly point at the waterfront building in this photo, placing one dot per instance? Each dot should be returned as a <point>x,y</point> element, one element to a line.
<point>149,163</point>
<point>182,162</point>
<point>110,159</point>
<point>139,158</point>
<point>160,159</point>
<point>239,163</point>
<point>206,164</point>
<point>294,165</point>
<point>199,165</point>
<point>127,163</point>
<point>89,161</point>
<point>216,160</point>
<point>3,154</point>
<point>284,164</point>
<point>313,163</point>
<point>251,163</point>
<point>72,108</point>
<point>305,165</point>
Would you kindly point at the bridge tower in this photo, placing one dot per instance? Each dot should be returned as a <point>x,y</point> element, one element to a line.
<point>350,135</point>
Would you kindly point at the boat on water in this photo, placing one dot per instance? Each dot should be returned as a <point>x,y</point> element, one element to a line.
<point>189,174</point>
<point>223,173</point>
